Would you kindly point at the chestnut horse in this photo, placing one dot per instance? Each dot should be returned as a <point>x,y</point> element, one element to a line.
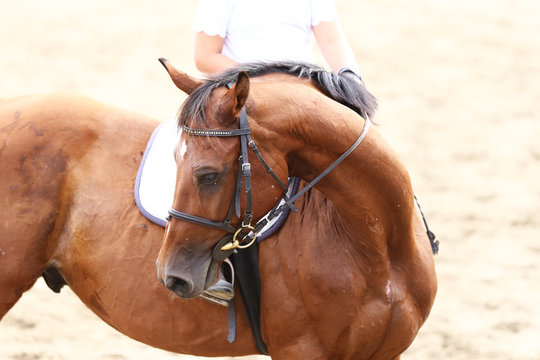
<point>350,275</point>
<point>68,212</point>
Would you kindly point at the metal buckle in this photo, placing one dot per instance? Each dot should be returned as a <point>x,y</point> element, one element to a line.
<point>235,243</point>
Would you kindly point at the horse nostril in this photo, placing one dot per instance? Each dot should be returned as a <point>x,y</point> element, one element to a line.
<point>178,286</point>
<point>160,279</point>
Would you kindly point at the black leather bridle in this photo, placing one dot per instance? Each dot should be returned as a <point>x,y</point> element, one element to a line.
<point>246,232</point>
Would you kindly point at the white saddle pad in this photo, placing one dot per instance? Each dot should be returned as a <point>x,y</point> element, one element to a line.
<point>156,178</point>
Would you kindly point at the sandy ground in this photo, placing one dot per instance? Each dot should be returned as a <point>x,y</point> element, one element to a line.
<point>458,85</point>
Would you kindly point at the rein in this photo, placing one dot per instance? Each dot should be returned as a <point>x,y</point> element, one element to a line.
<point>246,231</point>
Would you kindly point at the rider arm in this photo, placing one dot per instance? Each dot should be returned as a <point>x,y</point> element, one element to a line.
<point>210,26</point>
<point>208,56</point>
<point>334,45</point>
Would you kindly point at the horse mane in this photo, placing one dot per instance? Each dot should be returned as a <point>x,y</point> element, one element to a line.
<point>342,89</point>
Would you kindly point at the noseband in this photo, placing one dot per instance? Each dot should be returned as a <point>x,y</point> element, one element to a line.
<point>246,232</point>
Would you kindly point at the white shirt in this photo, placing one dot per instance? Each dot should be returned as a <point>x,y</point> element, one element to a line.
<point>264,30</point>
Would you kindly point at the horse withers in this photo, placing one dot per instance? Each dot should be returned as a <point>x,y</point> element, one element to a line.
<point>350,275</point>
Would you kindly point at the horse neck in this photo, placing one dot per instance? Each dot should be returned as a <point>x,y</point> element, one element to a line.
<point>369,192</point>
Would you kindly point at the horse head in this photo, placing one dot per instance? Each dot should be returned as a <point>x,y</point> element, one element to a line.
<point>207,185</point>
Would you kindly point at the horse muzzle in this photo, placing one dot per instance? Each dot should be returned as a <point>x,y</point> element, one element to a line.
<point>188,275</point>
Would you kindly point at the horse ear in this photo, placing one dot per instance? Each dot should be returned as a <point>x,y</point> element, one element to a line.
<point>182,80</point>
<point>232,102</point>
<point>241,91</point>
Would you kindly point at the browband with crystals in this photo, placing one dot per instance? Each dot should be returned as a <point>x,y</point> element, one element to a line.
<point>213,132</point>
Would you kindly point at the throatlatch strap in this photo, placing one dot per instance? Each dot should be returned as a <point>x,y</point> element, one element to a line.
<point>268,169</point>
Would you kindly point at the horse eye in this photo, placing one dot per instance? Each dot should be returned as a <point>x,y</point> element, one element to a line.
<point>207,178</point>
